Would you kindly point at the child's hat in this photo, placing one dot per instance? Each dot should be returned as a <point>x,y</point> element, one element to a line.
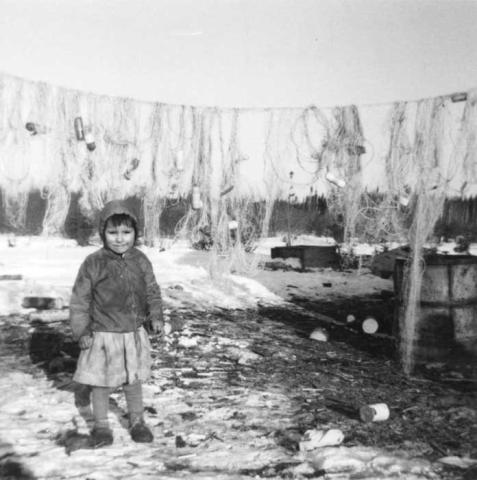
<point>114,207</point>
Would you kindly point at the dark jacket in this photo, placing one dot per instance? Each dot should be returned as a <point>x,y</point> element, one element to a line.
<point>114,293</point>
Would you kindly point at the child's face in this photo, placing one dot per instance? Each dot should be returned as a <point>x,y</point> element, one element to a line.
<point>119,238</point>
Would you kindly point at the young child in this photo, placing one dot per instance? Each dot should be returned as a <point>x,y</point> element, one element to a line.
<point>114,294</point>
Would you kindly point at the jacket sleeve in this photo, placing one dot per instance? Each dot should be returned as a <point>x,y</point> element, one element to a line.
<point>80,303</point>
<point>154,297</point>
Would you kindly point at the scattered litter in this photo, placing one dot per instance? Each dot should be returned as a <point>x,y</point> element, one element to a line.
<point>194,439</point>
<point>377,412</point>
<point>319,334</point>
<point>321,438</point>
<point>327,284</point>
<point>350,318</point>
<point>370,325</point>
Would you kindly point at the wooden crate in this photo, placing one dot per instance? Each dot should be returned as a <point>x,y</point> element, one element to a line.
<point>310,255</point>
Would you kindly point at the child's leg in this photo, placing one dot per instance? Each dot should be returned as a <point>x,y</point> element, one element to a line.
<point>101,434</point>
<point>133,394</point>
<point>82,395</point>
<point>139,431</point>
<point>100,399</point>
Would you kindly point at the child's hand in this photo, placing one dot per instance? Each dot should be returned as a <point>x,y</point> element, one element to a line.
<point>85,342</point>
<point>158,327</point>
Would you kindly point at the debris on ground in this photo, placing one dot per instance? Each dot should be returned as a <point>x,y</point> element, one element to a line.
<point>233,395</point>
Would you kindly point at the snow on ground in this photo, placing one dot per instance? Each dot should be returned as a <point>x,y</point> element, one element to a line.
<point>48,267</point>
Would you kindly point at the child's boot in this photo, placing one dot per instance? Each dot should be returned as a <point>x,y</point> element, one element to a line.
<point>138,429</point>
<point>140,432</point>
<point>101,436</point>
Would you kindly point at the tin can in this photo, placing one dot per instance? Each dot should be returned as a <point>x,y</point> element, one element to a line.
<point>376,412</point>
<point>89,139</point>
<point>370,325</point>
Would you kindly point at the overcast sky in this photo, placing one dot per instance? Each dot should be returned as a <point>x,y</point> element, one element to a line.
<point>245,53</point>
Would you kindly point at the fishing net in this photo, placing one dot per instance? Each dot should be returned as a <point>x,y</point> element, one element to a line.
<point>429,190</point>
<point>237,162</point>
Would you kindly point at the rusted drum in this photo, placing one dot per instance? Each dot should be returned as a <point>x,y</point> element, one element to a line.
<point>447,317</point>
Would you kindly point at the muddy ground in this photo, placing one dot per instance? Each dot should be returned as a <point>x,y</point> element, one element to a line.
<point>233,393</point>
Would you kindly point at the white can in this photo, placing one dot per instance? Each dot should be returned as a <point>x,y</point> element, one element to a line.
<point>370,325</point>
<point>89,140</point>
<point>376,412</point>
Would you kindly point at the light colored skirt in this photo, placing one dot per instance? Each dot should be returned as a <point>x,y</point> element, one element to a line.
<point>115,359</point>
